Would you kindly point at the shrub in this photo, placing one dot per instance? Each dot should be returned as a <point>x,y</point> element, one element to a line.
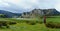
<point>53,25</point>
<point>40,22</point>
<point>4,23</point>
<point>31,22</point>
<point>11,23</point>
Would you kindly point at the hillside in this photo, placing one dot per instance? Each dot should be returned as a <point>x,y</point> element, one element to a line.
<point>55,12</point>
<point>9,14</point>
<point>40,12</point>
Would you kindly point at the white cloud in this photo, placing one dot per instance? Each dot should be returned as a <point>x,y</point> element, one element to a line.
<point>57,6</point>
<point>31,4</point>
<point>26,4</point>
<point>4,4</point>
<point>13,1</point>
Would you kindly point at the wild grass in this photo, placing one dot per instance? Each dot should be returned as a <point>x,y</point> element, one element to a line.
<point>25,25</point>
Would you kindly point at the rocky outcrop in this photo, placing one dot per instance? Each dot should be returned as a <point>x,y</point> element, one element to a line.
<point>39,12</point>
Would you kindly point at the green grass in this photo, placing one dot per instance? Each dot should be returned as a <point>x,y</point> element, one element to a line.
<point>27,27</point>
<point>55,20</point>
<point>23,26</point>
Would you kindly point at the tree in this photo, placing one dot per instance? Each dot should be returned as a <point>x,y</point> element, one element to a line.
<point>2,16</point>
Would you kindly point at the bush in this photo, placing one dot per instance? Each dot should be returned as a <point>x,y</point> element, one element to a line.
<point>53,25</point>
<point>4,23</point>
<point>11,23</point>
<point>31,22</point>
<point>40,22</point>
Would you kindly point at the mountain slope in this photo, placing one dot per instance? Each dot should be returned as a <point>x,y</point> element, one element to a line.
<point>55,12</point>
<point>9,14</point>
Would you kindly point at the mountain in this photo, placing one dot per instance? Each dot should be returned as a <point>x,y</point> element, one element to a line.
<point>40,12</point>
<point>9,14</point>
<point>45,11</point>
<point>55,12</point>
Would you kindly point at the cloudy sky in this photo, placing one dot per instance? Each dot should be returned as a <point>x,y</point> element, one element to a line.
<point>27,5</point>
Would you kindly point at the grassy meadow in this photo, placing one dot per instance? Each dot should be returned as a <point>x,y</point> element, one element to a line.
<point>22,24</point>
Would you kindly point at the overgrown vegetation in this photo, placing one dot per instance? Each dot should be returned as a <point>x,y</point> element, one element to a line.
<point>3,16</point>
<point>32,24</point>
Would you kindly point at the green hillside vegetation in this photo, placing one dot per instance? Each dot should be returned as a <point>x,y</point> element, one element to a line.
<point>33,24</point>
<point>2,16</point>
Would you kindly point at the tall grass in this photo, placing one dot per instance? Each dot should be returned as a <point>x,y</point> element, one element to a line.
<point>23,26</point>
